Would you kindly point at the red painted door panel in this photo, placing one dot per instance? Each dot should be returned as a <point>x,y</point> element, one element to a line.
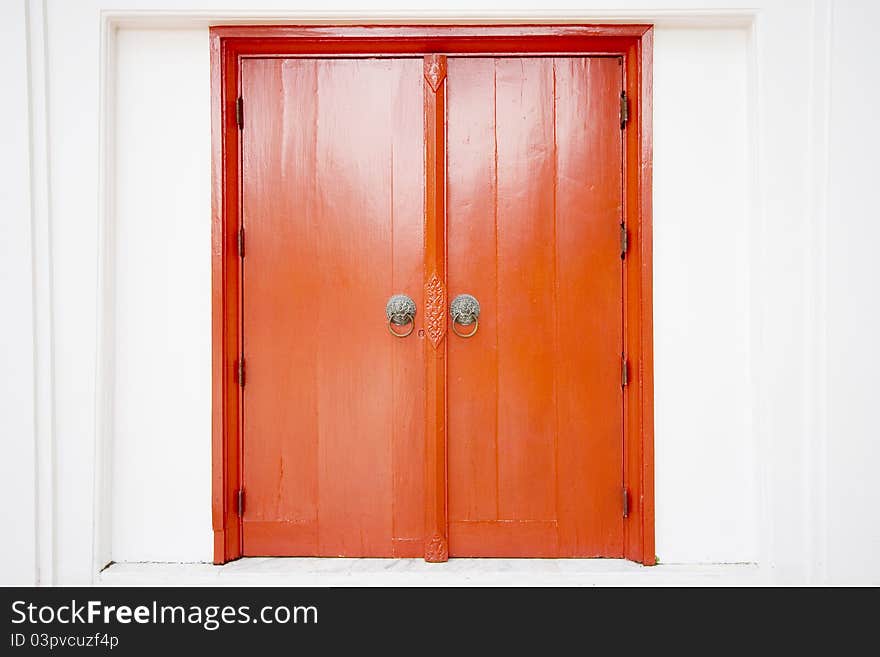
<point>535,407</point>
<point>333,204</point>
<point>332,193</point>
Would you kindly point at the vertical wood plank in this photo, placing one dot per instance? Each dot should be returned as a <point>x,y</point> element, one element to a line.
<point>226,310</point>
<point>638,302</point>
<point>472,247</point>
<point>280,449</point>
<point>407,195</point>
<point>436,542</point>
<point>526,272</point>
<point>643,90</point>
<point>352,180</point>
<point>590,305</point>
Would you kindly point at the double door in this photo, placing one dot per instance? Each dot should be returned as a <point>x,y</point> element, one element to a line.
<point>432,307</point>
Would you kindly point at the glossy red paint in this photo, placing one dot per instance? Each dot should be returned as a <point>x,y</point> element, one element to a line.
<point>435,304</point>
<point>332,212</point>
<point>406,516</point>
<point>535,402</point>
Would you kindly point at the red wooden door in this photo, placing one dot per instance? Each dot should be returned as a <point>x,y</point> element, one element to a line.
<point>535,405</point>
<point>332,202</point>
<point>334,212</point>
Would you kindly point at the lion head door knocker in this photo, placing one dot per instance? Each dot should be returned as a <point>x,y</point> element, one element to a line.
<point>400,311</point>
<point>465,311</point>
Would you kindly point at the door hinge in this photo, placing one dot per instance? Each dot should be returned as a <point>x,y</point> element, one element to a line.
<point>624,240</point>
<point>624,371</point>
<point>624,110</point>
<point>239,112</point>
<point>625,502</point>
<point>241,242</point>
<point>240,372</point>
<point>239,500</point>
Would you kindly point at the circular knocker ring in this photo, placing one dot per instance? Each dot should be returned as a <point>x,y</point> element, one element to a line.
<point>475,322</point>
<point>464,311</point>
<point>401,321</point>
<point>400,311</point>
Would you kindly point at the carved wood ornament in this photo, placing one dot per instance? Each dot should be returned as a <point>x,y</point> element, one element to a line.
<point>435,71</point>
<point>435,309</point>
<point>436,550</point>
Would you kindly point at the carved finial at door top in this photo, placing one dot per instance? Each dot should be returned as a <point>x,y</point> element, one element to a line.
<point>435,70</point>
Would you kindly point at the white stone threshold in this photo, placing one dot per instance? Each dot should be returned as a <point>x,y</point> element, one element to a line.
<point>415,572</point>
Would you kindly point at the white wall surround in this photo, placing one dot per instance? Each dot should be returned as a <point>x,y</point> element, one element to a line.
<point>17,349</point>
<point>810,289</point>
<point>704,436</point>
<point>850,233</point>
<point>162,305</point>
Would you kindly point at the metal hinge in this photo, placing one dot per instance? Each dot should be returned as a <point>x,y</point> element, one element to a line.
<point>624,110</point>
<point>624,240</point>
<point>624,371</point>
<point>239,112</point>
<point>625,502</point>
<point>241,242</point>
<point>240,372</point>
<point>239,498</point>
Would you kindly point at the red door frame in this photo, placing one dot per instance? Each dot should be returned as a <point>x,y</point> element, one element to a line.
<point>634,43</point>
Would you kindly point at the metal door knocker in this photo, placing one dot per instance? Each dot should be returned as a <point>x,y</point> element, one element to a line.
<point>464,311</point>
<point>400,311</point>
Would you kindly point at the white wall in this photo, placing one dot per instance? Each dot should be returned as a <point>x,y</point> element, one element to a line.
<point>161,466</point>
<point>798,331</point>
<point>17,386</point>
<point>852,449</point>
<point>706,458</point>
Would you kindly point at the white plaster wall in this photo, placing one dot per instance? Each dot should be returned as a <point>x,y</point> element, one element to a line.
<point>811,310</point>
<point>161,467</point>
<point>17,427</point>
<point>852,450</point>
<point>706,460</point>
